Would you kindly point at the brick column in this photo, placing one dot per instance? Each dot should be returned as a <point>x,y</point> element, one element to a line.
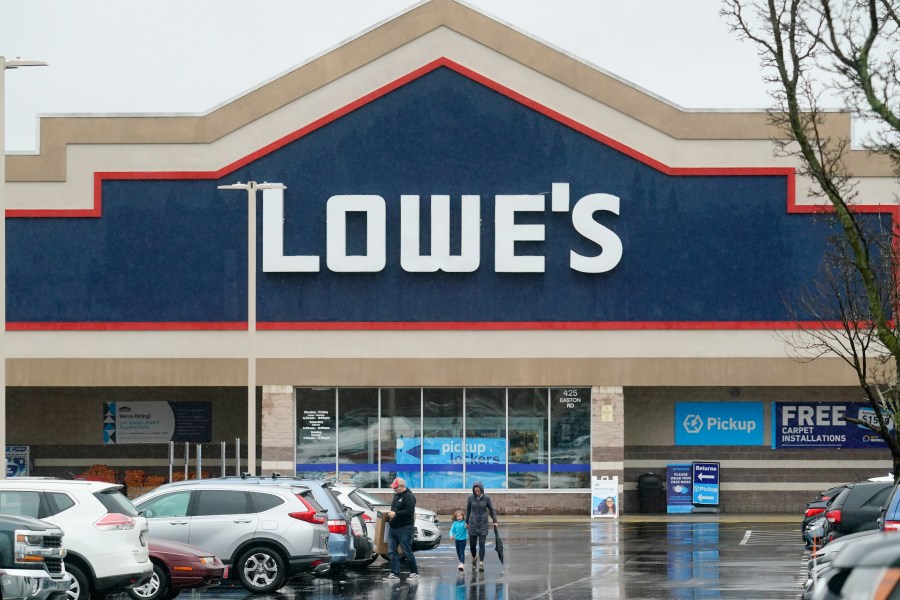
<point>278,430</point>
<point>608,434</point>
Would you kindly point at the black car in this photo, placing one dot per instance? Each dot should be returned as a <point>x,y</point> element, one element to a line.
<point>816,508</point>
<point>856,508</point>
<point>890,519</point>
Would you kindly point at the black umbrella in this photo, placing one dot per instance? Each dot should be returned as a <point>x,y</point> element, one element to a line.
<point>498,544</point>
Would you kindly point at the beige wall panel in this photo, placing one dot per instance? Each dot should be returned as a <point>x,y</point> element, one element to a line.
<point>125,372</point>
<point>521,62</point>
<point>550,372</point>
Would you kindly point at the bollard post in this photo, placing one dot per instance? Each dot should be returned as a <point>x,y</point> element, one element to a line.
<point>237,456</point>
<point>199,461</point>
<point>223,459</point>
<point>187,458</point>
<point>171,459</point>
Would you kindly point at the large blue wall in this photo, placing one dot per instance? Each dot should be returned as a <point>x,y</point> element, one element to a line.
<point>696,248</point>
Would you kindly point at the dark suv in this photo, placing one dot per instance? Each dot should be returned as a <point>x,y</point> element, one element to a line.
<point>890,518</point>
<point>856,508</point>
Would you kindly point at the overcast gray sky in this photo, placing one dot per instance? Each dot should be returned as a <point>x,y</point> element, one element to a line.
<point>168,56</point>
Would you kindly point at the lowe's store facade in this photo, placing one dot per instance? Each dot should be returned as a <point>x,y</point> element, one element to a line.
<point>455,255</point>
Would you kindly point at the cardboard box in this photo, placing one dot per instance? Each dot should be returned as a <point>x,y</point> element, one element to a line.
<point>381,529</point>
<point>382,526</point>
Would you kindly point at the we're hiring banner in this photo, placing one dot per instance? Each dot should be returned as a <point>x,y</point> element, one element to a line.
<point>823,425</point>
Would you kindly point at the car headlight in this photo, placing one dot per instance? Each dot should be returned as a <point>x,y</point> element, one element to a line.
<point>425,517</point>
<point>207,560</point>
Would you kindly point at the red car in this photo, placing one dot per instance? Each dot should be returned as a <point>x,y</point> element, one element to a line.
<point>177,567</point>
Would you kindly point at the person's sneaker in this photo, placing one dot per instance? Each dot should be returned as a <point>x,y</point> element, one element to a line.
<point>392,577</point>
<point>462,567</point>
<point>474,562</point>
<point>481,566</point>
<point>413,576</point>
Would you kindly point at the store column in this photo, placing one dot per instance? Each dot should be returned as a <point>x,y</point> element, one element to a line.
<point>608,433</point>
<point>278,430</point>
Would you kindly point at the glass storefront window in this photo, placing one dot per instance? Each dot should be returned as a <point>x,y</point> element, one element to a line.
<point>570,437</point>
<point>441,447</point>
<point>401,431</point>
<point>528,438</point>
<point>486,437</point>
<point>316,432</point>
<point>358,436</point>
<point>446,438</point>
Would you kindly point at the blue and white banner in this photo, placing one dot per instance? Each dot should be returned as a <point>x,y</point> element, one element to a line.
<point>823,425</point>
<point>718,423</point>
<point>157,422</point>
<point>442,460</point>
<point>679,489</point>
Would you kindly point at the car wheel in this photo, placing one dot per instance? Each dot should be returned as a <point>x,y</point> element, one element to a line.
<point>81,586</point>
<point>261,569</point>
<point>156,588</point>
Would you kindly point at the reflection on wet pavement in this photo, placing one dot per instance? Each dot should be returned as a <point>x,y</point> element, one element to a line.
<point>577,560</point>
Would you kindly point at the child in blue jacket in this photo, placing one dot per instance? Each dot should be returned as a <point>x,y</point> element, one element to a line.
<point>459,534</point>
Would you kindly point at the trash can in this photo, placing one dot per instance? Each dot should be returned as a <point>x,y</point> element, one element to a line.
<point>651,493</point>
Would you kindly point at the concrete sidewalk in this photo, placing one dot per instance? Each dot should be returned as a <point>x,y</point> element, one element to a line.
<point>651,518</point>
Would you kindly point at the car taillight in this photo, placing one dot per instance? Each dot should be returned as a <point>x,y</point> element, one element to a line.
<point>367,518</point>
<point>811,512</point>
<point>337,526</point>
<point>310,515</point>
<point>892,525</point>
<point>833,516</point>
<point>115,522</point>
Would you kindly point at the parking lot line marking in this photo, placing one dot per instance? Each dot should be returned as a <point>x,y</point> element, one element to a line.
<point>746,537</point>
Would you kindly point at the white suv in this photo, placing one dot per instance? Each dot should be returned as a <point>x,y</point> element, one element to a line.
<point>106,540</point>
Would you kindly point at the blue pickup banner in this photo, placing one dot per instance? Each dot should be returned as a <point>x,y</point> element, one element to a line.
<point>718,423</point>
<point>823,425</point>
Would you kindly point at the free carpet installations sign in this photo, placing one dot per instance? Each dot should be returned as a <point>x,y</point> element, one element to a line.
<point>823,425</point>
<point>157,422</point>
<point>718,423</point>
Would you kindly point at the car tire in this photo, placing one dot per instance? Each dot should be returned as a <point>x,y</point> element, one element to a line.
<point>156,588</point>
<point>261,570</point>
<point>81,585</point>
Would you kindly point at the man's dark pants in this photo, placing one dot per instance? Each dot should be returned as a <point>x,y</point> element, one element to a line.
<point>401,536</point>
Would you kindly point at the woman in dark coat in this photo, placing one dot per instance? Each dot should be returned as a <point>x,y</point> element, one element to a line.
<point>478,508</point>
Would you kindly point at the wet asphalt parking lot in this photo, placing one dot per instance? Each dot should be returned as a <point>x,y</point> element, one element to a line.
<point>569,558</point>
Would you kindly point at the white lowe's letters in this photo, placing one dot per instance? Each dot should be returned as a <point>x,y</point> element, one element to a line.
<point>440,259</point>
<point>507,233</point>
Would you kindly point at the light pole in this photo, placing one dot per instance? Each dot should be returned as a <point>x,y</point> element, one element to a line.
<point>5,64</point>
<point>251,187</point>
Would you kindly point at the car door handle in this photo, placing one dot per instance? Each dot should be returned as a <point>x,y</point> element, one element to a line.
<point>178,522</point>
<point>242,521</point>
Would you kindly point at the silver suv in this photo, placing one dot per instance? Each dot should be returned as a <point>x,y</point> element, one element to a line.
<point>106,540</point>
<point>267,532</point>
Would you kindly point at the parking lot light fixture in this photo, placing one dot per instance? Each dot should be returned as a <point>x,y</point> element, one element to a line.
<point>251,187</point>
<point>5,63</point>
